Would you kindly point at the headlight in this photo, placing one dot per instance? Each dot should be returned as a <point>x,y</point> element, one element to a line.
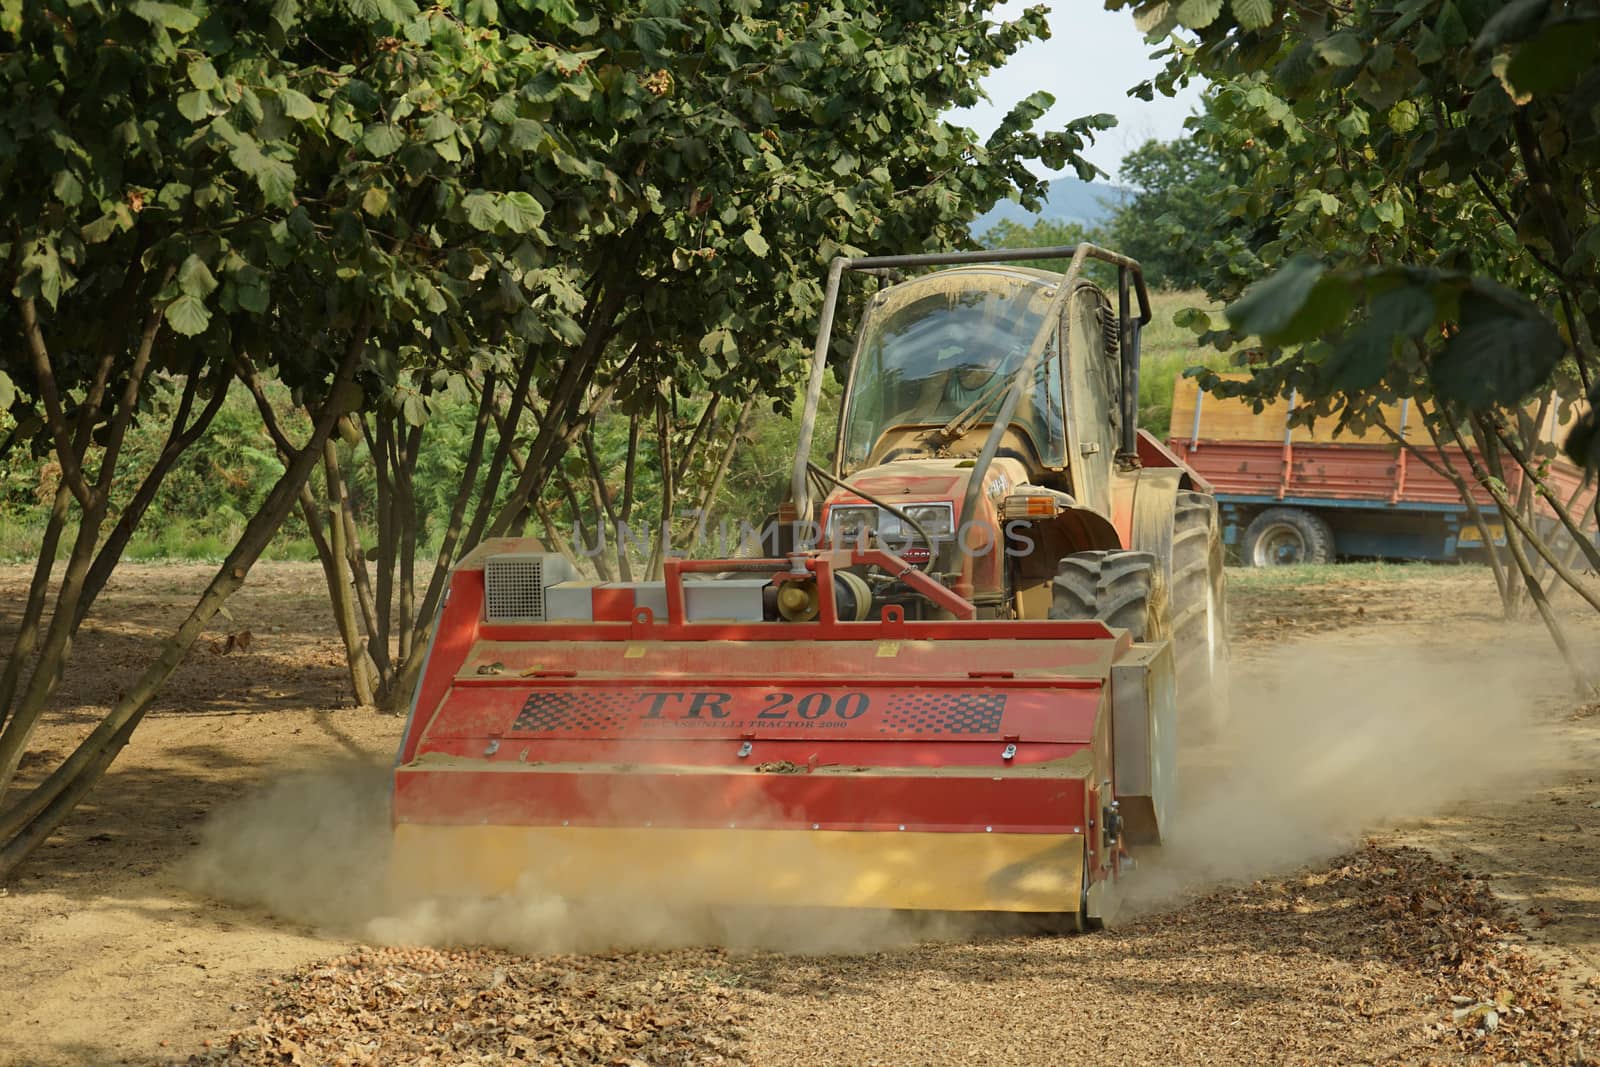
<point>852,525</point>
<point>938,520</point>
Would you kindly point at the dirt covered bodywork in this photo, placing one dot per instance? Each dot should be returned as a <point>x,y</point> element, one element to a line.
<point>946,765</point>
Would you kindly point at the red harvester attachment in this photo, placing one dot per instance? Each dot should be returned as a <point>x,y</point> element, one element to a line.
<point>567,737</point>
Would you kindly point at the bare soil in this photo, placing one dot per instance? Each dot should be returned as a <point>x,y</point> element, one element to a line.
<point>1468,931</point>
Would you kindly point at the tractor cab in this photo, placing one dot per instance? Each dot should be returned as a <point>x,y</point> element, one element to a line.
<point>933,362</point>
<point>977,395</point>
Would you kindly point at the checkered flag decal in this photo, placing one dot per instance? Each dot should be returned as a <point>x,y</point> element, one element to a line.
<point>945,713</point>
<point>577,710</point>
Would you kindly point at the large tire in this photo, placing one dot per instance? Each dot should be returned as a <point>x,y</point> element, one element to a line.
<point>1282,536</point>
<point>1198,598</point>
<point>1119,588</point>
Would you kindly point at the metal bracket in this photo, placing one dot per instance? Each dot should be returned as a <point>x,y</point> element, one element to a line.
<point>745,749</point>
<point>1009,752</point>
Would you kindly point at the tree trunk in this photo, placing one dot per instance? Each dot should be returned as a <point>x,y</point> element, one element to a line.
<point>38,589</point>
<point>27,824</point>
<point>341,582</point>
<point>1503,580</point>
<point>179,440</point>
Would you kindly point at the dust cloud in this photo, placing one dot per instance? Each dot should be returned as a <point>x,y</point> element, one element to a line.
<point>1331,739</point>
<point>1326,740</point>
<point>314,848</point>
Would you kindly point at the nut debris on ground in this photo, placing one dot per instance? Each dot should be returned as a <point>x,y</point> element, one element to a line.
<point>423,1006</point>
<point>1397,957</point>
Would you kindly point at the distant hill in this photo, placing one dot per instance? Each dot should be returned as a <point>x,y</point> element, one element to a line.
<point>1069,200</point>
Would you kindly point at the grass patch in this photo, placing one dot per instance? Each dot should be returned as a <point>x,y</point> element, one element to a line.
<point>163,541</point>
<point>1251,579</point>
<point>1165,352</point>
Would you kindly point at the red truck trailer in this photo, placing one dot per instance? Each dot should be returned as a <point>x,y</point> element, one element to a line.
<point>1301,495</point>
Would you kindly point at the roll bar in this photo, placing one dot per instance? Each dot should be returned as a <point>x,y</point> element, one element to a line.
<point>1129,277</point>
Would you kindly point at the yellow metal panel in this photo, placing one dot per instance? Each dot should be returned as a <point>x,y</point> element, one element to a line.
<point>1470,536</point>
<point>791,868</point>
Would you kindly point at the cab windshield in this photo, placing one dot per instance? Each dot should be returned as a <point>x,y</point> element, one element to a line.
<point>931,348</point>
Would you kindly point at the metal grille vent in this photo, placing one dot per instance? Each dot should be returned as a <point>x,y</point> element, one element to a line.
<point>514,587</point>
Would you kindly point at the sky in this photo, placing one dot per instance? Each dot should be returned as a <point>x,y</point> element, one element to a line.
<point>1092,59</point>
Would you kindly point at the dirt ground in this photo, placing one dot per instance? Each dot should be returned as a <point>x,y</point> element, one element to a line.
<point>1393,858</point>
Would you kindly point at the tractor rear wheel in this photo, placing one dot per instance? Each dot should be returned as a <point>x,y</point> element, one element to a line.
<point>1117,587</point>
<point>1198,596</point>
<point>1120,589</point>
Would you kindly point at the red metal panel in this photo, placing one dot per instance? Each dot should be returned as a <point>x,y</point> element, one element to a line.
<point>523,651</point>
<point>1348,472</point>
<point>649,628</point>
<point>1152,453</point>
<point>666,708</point>
<point>456,634</point>
<point>600,797</point>
<point>815,751</point>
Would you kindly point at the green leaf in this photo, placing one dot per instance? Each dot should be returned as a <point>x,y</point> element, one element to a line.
<point>274,177</point>
<point>375,201</point>
<point>41,270</point>
<point>1504,349</point>
<point>717,342</point>
<point>756,243</point>
<point>188,315</point>
<point>438,127</point>
<point>167,16</point>
<point>382,139</point>
<point>1272,303</point>
<point>1340,50</point>
<point>1156,18</point>
<point>8,392</point>
<point>483,213</point>
<point>413,410</point>
<point>1404,116</point>
<point>432,299</point>
<point>253,298</point>
<point>561,12</point>
<point>194,105</point>
<point>1253,14</point>
<point>296,105</point>
<point>101,229</point>
<point>11,16</point>
<point>67,188</point>
<point>1195,320</point>
<point>1198,14</point>
<point>521,212</point>
<point>195,278</point>
<point>202,75</point>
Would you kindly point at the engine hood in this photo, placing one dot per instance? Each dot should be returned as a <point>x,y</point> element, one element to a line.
<point>919,480</point>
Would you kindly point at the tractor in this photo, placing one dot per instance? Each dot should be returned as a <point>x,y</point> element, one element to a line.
<point>953,678</point>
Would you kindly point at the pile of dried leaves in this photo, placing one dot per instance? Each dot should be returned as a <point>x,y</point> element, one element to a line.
<point>425,1006</point>
<point>1440,920</point>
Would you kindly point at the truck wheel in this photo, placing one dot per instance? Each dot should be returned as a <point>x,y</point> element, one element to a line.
<point>1199,612</point>
<point>1117,587</point>
<point>1280,536</point>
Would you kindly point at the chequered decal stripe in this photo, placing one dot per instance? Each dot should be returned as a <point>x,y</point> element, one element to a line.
<point>577,710</point>
<point>945,713</point>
